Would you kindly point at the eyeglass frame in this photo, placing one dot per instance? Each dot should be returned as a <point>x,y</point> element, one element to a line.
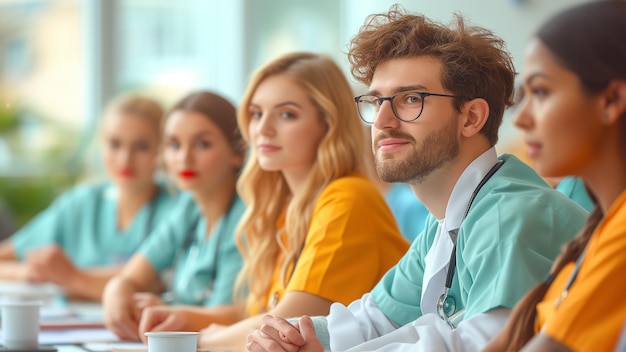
<point>381,100</point>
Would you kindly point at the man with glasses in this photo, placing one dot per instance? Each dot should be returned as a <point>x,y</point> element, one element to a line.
<point>436,99</point>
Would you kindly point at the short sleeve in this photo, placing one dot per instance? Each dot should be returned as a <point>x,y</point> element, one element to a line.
<point>352,241</point>
<point>508,244</point>
<point>55,222</point>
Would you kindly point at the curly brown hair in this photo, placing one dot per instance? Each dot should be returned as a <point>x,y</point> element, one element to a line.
<point>475,61</point>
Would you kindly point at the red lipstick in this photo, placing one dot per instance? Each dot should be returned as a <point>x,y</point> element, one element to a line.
<point>187,174</point>
<point>127,172</point>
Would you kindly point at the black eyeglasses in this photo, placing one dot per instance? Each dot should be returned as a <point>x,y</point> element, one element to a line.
<point>406,106</point>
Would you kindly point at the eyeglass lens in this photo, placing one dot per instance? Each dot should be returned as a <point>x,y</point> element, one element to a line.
<point>407,106</point>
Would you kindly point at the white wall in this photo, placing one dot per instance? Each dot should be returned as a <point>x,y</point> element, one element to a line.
<point>513,20</point>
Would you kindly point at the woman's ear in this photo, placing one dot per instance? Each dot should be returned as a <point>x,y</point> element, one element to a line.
<point>616,101</point>
<point>476,112</point>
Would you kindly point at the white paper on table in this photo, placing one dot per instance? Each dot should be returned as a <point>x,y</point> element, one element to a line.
<point>90,339</point>
<point>69,348</point>
<point>117,346</point>
<point>60,337</point>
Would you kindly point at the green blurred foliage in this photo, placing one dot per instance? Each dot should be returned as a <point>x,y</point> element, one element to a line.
<point>9,120</point>
<point>58,167</point>
<point>25,197</point>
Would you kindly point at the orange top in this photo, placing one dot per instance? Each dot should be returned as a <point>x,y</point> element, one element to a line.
<point>591,316</point>
<point>352,241</point>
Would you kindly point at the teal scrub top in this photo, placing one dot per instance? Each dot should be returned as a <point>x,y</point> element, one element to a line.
<point>204,269</point>
<point>515,227</point>
<point>574,188</point>
<point>409,212</point>
<point>83,221</point>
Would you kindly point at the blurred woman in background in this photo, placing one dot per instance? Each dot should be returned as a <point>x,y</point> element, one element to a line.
<point>82,239</point>
<point>204,153</point>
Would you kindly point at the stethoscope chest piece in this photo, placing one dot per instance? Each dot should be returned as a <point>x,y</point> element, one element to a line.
<point>446,306</point>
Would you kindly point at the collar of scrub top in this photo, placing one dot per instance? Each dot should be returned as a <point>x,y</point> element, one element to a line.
<point>111,193</point>
<point>477,173</point>
<point>436,260</point>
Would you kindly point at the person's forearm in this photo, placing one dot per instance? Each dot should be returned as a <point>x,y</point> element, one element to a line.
<point>232,338</point>
<point>7,252</point>
<point>200,318</point>
<point>349,326</point>
<point>431,333</point>
<point>89,284</point>
<point>11,270</point>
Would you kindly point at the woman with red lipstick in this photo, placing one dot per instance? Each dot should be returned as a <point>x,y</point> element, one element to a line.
<point>85,236</point>
<point>574,119</point>
<point>317,230</point>
<point>204,153</point>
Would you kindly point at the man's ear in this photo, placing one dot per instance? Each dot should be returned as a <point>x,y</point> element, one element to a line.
<point>476,112</point>
<point>615,102</point>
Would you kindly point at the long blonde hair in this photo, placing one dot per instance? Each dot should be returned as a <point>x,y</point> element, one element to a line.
<point>266,193</point>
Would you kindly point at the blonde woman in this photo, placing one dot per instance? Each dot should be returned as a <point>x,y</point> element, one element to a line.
<point>316,230</point>
<point>88,233</point>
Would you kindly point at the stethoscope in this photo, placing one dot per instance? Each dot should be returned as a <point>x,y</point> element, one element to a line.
<point>191,246</point>
<point>446,305</point>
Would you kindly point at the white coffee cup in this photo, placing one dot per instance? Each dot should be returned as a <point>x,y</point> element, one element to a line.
<point>20,323</point>
<point>168,341</point>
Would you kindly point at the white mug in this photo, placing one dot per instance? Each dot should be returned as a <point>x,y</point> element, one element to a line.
<point>20,323</point>
<point>168,341</point>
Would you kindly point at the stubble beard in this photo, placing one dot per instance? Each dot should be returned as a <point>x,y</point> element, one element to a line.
<point>437,149</point>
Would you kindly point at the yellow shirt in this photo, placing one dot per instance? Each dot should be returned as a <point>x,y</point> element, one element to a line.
<point>592,315</point>
<point>353,240</point>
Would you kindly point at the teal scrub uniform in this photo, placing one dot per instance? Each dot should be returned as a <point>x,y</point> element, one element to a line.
<point>83,221</point>
<point>409,212</point>
<point>505,246</point>
<point>204,269</point>
<point>574,188</point>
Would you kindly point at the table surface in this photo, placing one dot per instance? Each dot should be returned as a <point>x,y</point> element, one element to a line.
<point>68,326</point>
